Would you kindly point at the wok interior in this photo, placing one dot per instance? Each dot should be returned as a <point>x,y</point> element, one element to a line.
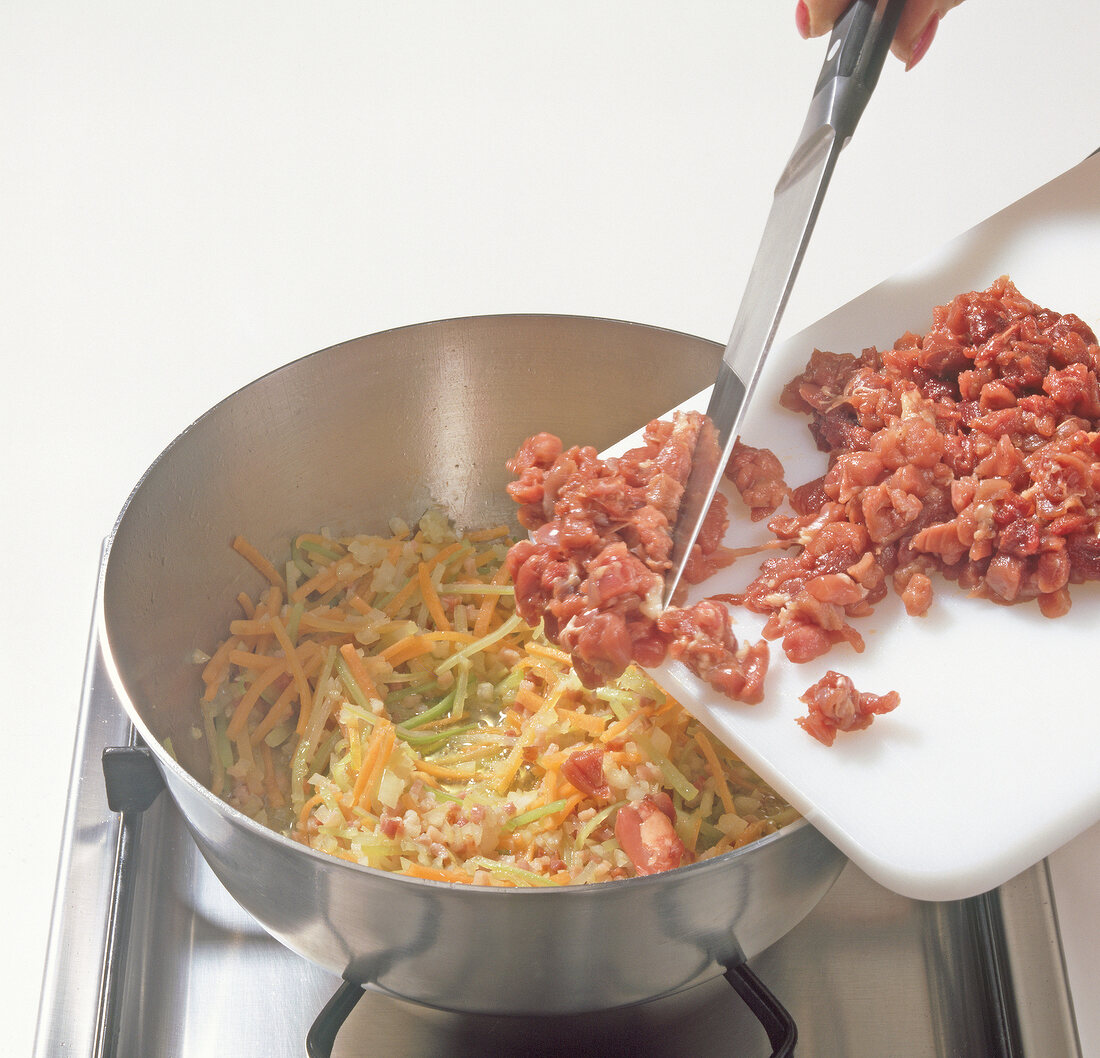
<point>348,438</point>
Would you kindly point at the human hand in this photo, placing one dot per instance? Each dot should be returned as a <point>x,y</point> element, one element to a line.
<point>915,31</point>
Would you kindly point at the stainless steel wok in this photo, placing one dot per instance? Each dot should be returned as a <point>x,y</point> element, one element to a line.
<point>347,438</point>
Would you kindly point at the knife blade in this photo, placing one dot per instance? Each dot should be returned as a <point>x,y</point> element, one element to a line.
<point>853,61</point>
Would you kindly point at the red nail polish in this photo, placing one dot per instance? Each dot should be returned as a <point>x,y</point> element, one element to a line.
<point>924,42</point>
<point>802,19</point>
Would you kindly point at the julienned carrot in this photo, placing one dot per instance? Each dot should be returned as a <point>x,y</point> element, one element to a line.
<point>489,604</point>
<point>393,607</point>
<point>754,830</point>
<point>405,650</point>
<point>293,662</point>
<point>540,650</point>
<point>558,818</point>
<point>359,672</point>
<point>385,736</point>
<point>481,536</point>
<point>431,598</point>
<point>261,682</point>
<point>416,646</point>
<point>452,774</point>
<point>621,726</point>
<point>586,722</point>
<point>715,768</point>
<point>359,604</point>
<point>248,552</point>
<point>365,770</point>
<point>246,659</point>
<point>444,553</point>
<point>217,668</point>
<point>275,715</point>
<point>530,701</point>
<point>319,582</point>
<point>271,602</point>
<point>308,807</point>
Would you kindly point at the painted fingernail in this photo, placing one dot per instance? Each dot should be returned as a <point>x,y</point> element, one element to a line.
<point>802,19</point>
<point>924,42</point>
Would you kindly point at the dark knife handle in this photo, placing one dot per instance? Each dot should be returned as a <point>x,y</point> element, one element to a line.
<point>854,59</point>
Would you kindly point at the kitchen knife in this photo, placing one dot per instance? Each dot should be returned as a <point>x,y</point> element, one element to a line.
<point>857,50</point>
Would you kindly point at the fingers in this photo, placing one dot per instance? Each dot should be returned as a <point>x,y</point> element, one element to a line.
<point>915,32</point>
<point>817,17</point>
<point>917,28</point>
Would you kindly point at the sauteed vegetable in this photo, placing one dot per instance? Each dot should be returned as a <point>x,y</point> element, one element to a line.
<point>381,700</point>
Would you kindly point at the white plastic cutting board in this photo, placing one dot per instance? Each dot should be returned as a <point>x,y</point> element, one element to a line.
<point>992,759</point>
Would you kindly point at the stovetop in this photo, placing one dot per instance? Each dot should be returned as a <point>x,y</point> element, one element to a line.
<point>178,969</point>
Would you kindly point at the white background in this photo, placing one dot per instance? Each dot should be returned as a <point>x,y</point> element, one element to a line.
<point>192,194</point>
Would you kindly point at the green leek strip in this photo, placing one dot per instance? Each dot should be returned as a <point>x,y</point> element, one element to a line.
<point>514,874</point>
<point>319,549</point>
<point>672,775</point>
<point>589,828</point>
<point>217,769</point>
<point>294,615</point>
<point>320,759</point>
<point>277,735</point>
<point>225,749</point>
<point>418,682</point>
<point>320,709</point>
<point>622,702</point>
<point>505,690</point>
<point>308,570</point>
<point>427,738</point>
<point>440,709</point>
<point>461,686</point>
<point>364,714</point>
<point>535,813</point>
<point>441,794</point>
<point>470,649</point>
<point>170,749</point>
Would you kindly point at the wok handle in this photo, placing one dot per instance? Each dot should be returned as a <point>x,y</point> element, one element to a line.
<point>776,1019</point>
<point>132,783</point>
<point>322,1033</point>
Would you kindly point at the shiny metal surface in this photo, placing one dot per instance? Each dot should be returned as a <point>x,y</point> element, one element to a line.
<point>866,974</point>
<point>348,438</point>
<point>853,61</point>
